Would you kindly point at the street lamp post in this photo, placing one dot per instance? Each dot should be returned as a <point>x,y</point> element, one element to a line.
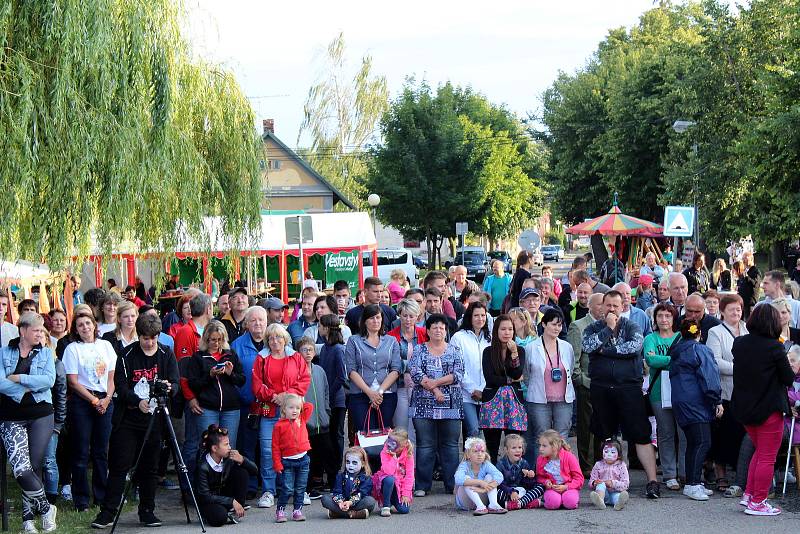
<point>681,126</point>
<point>373,200</point>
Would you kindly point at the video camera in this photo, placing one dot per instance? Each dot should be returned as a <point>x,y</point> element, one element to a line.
<point>159,389</point>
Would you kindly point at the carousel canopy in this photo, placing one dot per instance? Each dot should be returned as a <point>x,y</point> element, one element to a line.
<point>617,223</point>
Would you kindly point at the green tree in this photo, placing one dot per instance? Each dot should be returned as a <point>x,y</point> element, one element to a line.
<point>111,130</point>
<point>341,115</point>
<point>451,156</point>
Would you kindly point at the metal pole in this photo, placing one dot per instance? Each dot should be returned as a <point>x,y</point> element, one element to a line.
<point>300,249</point>
<point>788,455</point>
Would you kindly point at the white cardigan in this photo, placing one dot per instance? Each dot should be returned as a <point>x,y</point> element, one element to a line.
<point>471,347</point>
<point>720,341</point>
<point>535,364</point>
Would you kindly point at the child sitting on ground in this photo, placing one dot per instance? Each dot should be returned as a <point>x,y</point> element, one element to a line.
<point>221,479</point>
<point>476,480</point>
<point>350,496</point>
<point>609,478</point>
<point>519,488</point>
<point>559,471</point>
<point>394,483</point>
<point>290,458</point>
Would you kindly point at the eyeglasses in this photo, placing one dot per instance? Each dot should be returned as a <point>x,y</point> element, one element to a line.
<point>307,350</point>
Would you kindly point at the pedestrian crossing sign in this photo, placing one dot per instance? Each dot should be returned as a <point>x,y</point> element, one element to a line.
<point>678,221</point>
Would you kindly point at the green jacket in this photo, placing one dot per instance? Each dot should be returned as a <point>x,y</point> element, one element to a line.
<point>580,372</point>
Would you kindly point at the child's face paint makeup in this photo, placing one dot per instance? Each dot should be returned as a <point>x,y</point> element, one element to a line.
<point>352,463</point>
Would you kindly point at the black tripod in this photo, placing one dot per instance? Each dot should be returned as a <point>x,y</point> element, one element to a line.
<point>160,415</point>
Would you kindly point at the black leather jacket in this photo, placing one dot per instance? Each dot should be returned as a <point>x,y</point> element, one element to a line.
<point>209,483</point>
<point>59,394</point>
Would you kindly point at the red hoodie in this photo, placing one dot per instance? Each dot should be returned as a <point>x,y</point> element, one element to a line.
<point>290,438</point>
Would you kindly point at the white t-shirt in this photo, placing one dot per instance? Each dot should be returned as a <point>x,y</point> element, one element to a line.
<point>102,328</point>
<point>91,362</point>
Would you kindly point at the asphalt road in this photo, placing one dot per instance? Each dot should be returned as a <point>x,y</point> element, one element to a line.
<point>436,514</point>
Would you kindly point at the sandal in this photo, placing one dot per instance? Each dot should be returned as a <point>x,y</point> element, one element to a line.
<point>723,484</point>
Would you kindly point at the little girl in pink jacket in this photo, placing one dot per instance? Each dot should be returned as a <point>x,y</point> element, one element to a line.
<point>609,478</point>
<point>559,471</point>
<point>394,483</point>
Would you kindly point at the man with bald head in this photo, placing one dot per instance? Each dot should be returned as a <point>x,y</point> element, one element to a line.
<point>588,448</point>
<point>631,312</point>
<point>696,309</point>
<point>578,308</point>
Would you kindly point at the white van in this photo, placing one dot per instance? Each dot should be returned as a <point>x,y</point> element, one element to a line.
<point>390,259</point>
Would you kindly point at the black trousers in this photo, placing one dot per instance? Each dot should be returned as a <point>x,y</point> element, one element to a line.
<point>126,440</point>
<point>323,460</point>
<point>216,515</point>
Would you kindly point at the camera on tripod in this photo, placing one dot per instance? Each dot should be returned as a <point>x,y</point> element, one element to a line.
<point>159,389</point>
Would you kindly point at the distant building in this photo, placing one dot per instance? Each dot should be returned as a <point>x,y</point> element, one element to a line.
<point>290,183</point>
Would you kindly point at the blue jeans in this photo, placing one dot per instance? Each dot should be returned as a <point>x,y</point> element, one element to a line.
<point>471,427</point>
<point>436,435</point>
<point>191,442</point>
<point>544,416</point>
<point>265,442</point>
<point>246,442</point>
<point>359,404</point>
<point>228,419</point>
<point>294,479</point>
<point>50,468</point>
<point>390,497</point>
<point>610,497</point>
<point>90,433</point>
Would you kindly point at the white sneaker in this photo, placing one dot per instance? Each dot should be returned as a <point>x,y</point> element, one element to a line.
<point>696,493</point>
<point>706,490</point>
<point>306,500</point>
<point>267,500</point>
<point>66,492</point>
<point>29,526</point>
<point>49,519</point>
<point>386,511</point>
<point>673,484</point>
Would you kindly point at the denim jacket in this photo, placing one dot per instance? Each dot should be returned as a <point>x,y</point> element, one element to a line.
<point>41,378</point>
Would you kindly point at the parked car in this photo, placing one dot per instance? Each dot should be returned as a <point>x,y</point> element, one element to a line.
<point>419,262</point>
<point>552,252</point>
<point>537,258</point>
<point>390,259</point>
<point>475,260</point>
<point>503,256</point>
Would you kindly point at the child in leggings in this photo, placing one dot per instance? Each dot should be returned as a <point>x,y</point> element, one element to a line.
<point>559,471</point>
<point>519,488</point>
<point>477,480</point>
<point>221,479</point>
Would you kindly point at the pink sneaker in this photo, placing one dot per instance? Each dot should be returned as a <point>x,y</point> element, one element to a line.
<point>761,508</point>
<point>280,516</point>
<point>297,515</point>
<point>535,503</point>
<point>746,498</point>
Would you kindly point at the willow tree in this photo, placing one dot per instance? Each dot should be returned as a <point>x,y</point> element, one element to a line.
<point>341,114</point>
<point>111,129</point>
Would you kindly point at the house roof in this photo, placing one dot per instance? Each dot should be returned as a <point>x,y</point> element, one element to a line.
<point>338,195</point>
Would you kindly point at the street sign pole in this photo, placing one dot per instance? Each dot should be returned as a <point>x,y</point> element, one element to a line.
<point>300,251</point>
<point>461,230</point>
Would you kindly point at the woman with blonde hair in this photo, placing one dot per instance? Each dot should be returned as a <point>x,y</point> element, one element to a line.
<point>214,374</point>
<point>789,335</point>
<point>721,278</point>
<point>125,332</point>
<point>524,332</point>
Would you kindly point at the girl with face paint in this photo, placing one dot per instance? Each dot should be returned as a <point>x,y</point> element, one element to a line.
<point>609,478</point>
<point>350,497</point>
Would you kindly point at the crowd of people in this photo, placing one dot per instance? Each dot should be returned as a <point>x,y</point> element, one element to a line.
<point>364,402</point>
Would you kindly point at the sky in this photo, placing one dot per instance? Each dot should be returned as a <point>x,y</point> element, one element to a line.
<point>509,50</point>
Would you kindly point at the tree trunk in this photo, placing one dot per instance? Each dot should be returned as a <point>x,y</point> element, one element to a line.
<point>776,255</point>
<point>429,246</point>
<point>452,242</point>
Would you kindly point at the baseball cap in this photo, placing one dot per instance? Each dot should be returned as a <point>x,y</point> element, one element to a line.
<point>237,290</point>
<point>272,303</point>
<point>529,292</point>
<point>645,279</point>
